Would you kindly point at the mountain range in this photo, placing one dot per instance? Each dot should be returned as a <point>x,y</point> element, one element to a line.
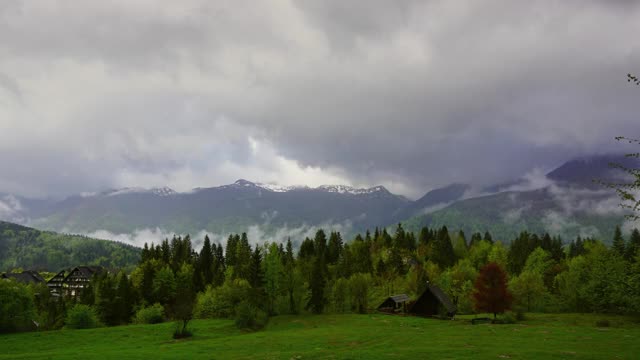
<point>564,201</point>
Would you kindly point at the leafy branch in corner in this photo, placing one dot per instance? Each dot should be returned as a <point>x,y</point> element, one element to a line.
<point>625,191</point>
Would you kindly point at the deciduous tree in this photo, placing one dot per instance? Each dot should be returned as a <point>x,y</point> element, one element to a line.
<point>491,294</point>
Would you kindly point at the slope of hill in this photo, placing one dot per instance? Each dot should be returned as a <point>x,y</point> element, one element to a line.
<point>42,250</point>
<point>568,204</point>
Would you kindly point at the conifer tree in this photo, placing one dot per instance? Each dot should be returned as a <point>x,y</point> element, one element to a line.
<point>320,245</point>
<point>231,250</point>
<point>633,248</point>
<point>289,253</point>
<point>317,283</point>
<point>243,259</point>
<point>443,253</point>
<point>273,276</point>
<point>219,266</point>
<point>475,238</point>
<point>206,262</point>
<point>124,299</point>
<point>399,238</point>
<point>307,249</point>
<point>144,255</point>
<point>166,252</point>
<point>463,238</point>
<point>425,236</point>
<point>335,248</point>
<point>618,246</point>
<point>256,276</point>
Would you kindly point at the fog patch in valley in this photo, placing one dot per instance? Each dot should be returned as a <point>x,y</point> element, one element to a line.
<point>258,234</point>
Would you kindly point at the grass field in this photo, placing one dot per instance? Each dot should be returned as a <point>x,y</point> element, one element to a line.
<point>564,336</point>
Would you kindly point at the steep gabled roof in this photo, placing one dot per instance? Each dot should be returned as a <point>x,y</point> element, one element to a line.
<point>86,271</point>
<point>25,277</point>
<point>400,298</point>
<point>442,297</point>
<point>59,277</point>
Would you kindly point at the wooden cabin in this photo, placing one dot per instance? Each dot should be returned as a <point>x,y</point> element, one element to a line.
<point>394,304</point>
<point>433,303</point>
<point>25,277</point>
<point>79,278</point>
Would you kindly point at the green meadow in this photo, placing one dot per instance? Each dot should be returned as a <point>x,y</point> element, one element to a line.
<point>548,336</point>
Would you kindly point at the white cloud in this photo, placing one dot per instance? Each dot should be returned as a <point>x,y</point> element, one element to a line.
<point>257,234</point>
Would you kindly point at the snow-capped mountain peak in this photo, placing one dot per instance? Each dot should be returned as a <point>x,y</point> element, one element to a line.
<point>161,191</point>
<point>345,189</point>
<point>340,189</point>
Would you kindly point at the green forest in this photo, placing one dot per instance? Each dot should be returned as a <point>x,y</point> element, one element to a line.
<point>23,247</point>
<point>251,283</point>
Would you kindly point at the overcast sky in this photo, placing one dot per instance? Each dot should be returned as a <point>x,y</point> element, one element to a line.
<point>407,94</point>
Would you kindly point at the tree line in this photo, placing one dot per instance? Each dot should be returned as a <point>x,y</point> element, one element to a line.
<point>250,282</point>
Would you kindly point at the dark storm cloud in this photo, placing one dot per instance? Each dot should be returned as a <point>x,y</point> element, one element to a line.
<point>409,94</point>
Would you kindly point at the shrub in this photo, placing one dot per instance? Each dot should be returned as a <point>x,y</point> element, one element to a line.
<point>509,317</point>
<point>82,317</point>
<point>16,307</point>
<point>250,317</point>
<point>221,301</point>
<point>150,315</point>
<point>603,323</point>
<point>181,331</point>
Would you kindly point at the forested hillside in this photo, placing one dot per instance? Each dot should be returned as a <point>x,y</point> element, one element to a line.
<point>564,212</point>
<point>43,250</point>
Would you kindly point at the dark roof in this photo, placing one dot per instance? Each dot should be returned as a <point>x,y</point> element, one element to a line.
<point>442,297</point>
<point>25,277</point>
<point>400,298</point>
<point>392,302</point>
<point>86,271</point>
<point>59,277</point>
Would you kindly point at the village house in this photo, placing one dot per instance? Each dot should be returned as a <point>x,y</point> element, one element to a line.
<point>72,282</point>
<point>25,277</point>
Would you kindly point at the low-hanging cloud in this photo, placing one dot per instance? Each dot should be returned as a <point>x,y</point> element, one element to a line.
<point>11,209</point>
<point>258,234</point>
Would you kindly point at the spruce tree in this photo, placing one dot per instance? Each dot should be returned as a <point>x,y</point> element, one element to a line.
<point>307,249</point>
<point>320,245</point>
<point>219,266</point>
<point>317,283</point>
<point>231,250</point>
<point>618,246</point>
<point>124,299</point>
<point>425,236</point>
<point>288,257</point>
<point>475,238</point>
<point>463,238</point>
<point>335,248</point>
<point>166,252</point>
<point>633,248</point>
<point>399,238</point>
<point>144,255</point>
<point>443,253</point>
<point>256,276</point>
<point>206,262</point>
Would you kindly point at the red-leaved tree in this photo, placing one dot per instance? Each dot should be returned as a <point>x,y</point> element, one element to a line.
<point>491,294</point>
